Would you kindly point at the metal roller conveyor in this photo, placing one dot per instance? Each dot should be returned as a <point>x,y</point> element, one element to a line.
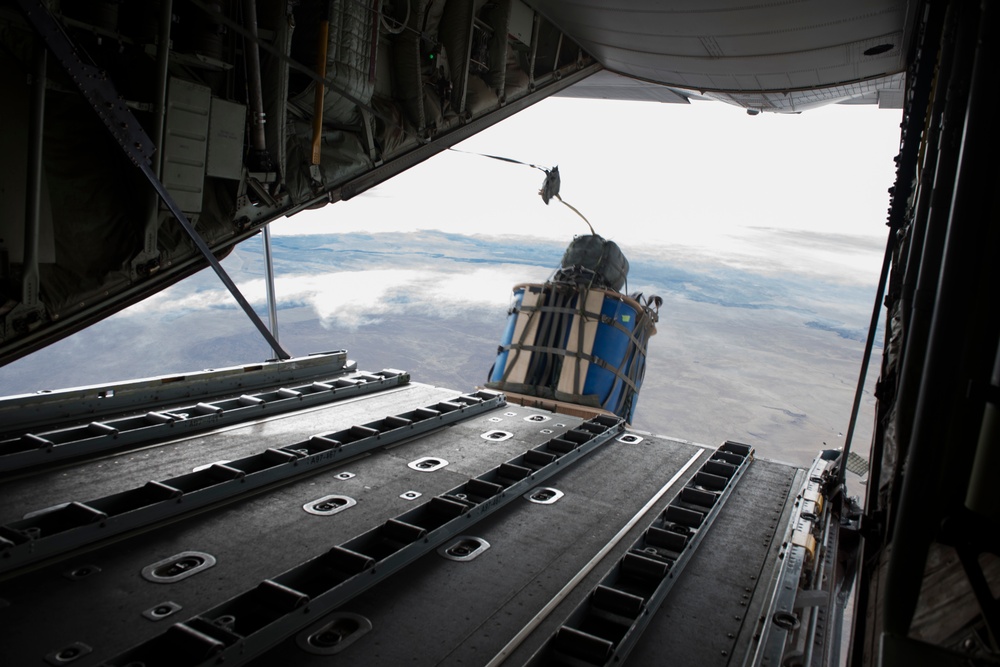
<point>244,626</point>
<point>43,447</point>
<point>49,532</point>
<point>606,625</point>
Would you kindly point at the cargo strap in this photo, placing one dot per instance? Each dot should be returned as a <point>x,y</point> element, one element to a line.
<point>608,623</point>
<point>53,531</point>
<point>293,600</point>
<point>638,341</point>
<point>555,304</point>
<point>37,448</point>
<point>588,314</point>
<point>597,361</point>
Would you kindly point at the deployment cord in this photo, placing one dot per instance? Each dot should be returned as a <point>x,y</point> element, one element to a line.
<point>550,187</point>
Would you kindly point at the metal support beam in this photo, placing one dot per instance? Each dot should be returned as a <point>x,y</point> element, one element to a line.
<point>272,306</point>
<point>150,254</point>
<point>890,245</point>
<point>33,200</point>
<point>57,408</point>
<point>318,101</point>
<point>258,140</point>
<point>960,330</point>
<point>104,99</point>
<point>805,546</point>
<point>925,275</point>
<point>47,446</point>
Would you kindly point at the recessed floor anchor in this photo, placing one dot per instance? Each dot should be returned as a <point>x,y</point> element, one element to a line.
<point>81,572</point>
<point>543,495</point>
<point>329,505</point>
<point>333,634</point>
<point>785,620</point>
<point>64,656</point>
<point>464,548</point>
<point>178,567</point>
<point>497,436</point>
<point>161,611</point>
<point>427,464</point>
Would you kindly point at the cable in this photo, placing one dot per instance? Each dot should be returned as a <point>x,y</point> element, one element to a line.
<point>573,208</point>
<point>550,187</point>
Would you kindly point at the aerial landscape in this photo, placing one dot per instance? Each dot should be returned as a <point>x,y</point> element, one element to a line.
<point>758,358</point>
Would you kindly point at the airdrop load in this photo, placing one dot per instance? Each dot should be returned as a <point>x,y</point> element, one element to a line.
<point>576,344</point>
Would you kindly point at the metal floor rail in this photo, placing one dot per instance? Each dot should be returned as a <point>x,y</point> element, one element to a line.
<point>61,407</point>
<point>247,625</point>
<point>52,531</point>
<point>31,449</point>
<point>790,615</point>
<point>606,625</point>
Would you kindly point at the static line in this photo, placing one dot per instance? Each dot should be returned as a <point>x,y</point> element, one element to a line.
<point>519,638</point>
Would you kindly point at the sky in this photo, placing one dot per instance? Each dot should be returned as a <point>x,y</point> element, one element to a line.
<point>803,193</point>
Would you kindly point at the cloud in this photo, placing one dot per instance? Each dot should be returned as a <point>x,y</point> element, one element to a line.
<point>827,241</point>
<point>788,254</point>
<point>348,281</point>
<point>352,299</point>
<point>428,292</point>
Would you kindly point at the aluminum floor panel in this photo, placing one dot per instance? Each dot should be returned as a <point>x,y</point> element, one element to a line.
<point>252,539</point>
<point>435,611</point>
<point>709,617</point>
<point>442,612</point>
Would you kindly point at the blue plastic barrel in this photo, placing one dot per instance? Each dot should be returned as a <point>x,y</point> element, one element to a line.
<point>616,354</point>
<point>613,345</point>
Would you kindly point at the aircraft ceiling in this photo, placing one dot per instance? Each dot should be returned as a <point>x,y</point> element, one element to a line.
<point>768,56</point>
